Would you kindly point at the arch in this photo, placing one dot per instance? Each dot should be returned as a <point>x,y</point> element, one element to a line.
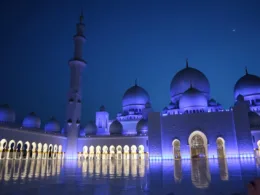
<point>119,149</point>
<point>39,147</point>
<point>60,148</point>
<point>3,143</point>
<point>55,148</point>
<point>126,149</point>
<point>176,144</point>
<point>91,149</point>
<point>85,149</point>
<point>112,149</point>
<point>258,144</point>
<point>141,149</point>
<point>19,146</point>
<point>45,147</point>
<point>221,147</point>
<point>198,144</point>
<point>50,150</point>
<point>133,149</point>
<point>33,146</point>
<point>27,145</point>
<point>105,149</point>
<point>11,145</point>
<point>98,149</point>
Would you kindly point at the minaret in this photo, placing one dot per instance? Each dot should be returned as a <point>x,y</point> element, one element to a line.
<point>73,116</point>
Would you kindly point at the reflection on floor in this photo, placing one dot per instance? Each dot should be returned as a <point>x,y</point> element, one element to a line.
<point>137,175</point>
<point>31,169</point>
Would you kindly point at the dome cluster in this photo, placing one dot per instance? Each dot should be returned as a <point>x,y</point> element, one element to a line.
<point>31,121</point>
<point>189,90</point>
<point>193,98</point>
<point>184,78</point>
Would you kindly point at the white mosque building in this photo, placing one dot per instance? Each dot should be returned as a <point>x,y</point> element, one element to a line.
<point>193,125</point>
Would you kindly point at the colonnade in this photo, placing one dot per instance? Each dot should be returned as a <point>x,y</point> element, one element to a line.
<point>19,150</point>
<point>113,152</point>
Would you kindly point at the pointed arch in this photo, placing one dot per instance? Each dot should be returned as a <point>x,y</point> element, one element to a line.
<point>198,143</point>
<point>221,147</point>
<point>176,144</point>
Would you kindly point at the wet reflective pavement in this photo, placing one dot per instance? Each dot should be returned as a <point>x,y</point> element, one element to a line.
<point>107,177</point>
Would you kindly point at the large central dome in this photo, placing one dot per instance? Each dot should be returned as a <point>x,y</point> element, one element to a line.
<point>184,78</point>
<point>135,98</point>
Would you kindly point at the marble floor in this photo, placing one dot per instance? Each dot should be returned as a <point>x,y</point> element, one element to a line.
<point>127,177</point>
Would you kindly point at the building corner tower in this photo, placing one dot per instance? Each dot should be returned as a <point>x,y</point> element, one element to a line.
<point>73,116</point>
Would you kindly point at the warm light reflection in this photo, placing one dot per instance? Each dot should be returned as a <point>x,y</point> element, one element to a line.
<point>200,174</point>
<point>28,169</point>
<point>177,170</point>
<point>223,169</point>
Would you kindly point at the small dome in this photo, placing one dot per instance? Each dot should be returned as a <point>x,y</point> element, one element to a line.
<point>142,127</point>
<point>212,102</point>
<point>32,121</point>
<point>135,96</point>
<point>7,114</point>
<point>247,85</point>
<point>102,108</point>
<point>193,98</point>
<point>254,119</point>
<point>182,80</point>
<point>52,125</point>
<point>91,128</point>
<point>82,132</point>
<point>116,128</point>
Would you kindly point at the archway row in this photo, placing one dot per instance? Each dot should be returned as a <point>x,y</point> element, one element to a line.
<point>198,144</point>
<point>24,150</point>
<point>112,152</point>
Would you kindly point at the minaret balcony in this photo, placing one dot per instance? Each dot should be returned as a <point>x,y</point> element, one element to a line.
<point>77,61</point>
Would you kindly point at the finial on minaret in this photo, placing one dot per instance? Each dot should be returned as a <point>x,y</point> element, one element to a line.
<point>135,82</point>
<point>246,70</point>
<point>187,63</point>
<point>81,18</point>
<point>190,84</point>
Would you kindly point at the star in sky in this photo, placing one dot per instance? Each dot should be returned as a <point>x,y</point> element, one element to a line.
<point>233,30</point>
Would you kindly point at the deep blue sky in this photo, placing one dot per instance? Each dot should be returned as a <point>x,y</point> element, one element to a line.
<point>148,40</point>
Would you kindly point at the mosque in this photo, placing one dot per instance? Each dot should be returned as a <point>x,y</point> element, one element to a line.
<point>193,125</point>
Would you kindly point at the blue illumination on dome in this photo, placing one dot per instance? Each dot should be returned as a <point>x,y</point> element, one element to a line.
<point>52,125</point>
<point>193,98</point>
<point>247,85</point>
<point>135,97</point>
<point>32,121</point>
<point>7,114</point>
<point>116,128</point>
<point>182,80</point>
<point>142,127</point>
<point>91,128</point>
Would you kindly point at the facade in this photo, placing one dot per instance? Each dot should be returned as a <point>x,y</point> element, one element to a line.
<point>193,125</point>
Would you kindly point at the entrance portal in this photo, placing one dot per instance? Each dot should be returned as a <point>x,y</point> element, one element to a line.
<point>198,145</point>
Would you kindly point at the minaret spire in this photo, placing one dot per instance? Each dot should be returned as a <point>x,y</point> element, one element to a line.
<point>81,18</point>
<point>76,64</point>
<point>135,82</point>
<point>246,70</point>
<point>190,84</point>
<point>187,63</point>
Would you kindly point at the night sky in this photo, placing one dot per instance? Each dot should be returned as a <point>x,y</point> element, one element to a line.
<point>147,40</point>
